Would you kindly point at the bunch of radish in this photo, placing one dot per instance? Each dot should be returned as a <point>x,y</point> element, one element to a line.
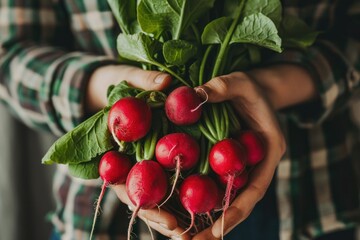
<point>172,148</point>
<point>202,175</point>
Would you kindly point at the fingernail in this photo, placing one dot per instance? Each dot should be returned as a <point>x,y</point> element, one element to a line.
<point>175,238</point>
<point>160,78</point>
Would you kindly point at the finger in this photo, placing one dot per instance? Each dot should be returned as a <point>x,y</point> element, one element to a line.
<point>164,218</point>
<point>120,190</point>
<point>225,87</point>
<point>175,233</point>
<point>158,215</point>
<point>206,234</point>
<point>215,90</point>
<point>147,80</point>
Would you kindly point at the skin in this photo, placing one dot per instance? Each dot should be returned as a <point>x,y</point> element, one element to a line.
<point>256,95</point>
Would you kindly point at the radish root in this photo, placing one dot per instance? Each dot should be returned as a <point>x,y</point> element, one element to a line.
<point>103,187</point>
<point>203,102</point>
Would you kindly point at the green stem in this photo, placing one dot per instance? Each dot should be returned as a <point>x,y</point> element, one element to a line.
<point>196,33</point>
<point>138,152</point>
<point>224,46</point>
<point>226,121</point>
<point>218,127</point>
<point>207,134</point>
<point>213,131</point>
<point>233,119</point>
<point>203,64</point>
<point>205,166</point>
<point>149,148</point>
<point>172,73</point>
<point>178,30</point>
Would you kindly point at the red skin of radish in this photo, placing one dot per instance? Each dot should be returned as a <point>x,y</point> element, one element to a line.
<point>146,184</point>
<point>182,106</point>
<point>239,180</point>
<point>179,146</point>
<point>129,119</point>
<point>254,146</point>
<point>198,194</point>
<point>227,157</point>
<point>114,167</point>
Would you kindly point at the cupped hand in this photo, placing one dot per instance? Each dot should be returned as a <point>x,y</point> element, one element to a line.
<point>157,218</point>
<point>252,104</point>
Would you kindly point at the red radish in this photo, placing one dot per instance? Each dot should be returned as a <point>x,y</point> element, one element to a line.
<point>227,158</point>
<point>198,194</point>
<point>183,106</point>
<point>146,186</point>
<point>177,151</point>
<point>254,146</point>
<point>177,147</point>
<point>238,182</point>
<point>129,119</point>
<point>113,169</point>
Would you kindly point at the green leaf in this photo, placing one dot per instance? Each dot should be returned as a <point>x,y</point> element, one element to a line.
<point>194,71</point>
<point>86,170</point>
<point>138,47</point>
<point>270,8</point>
<point>259,30</point>
<point>119,91</point>
<point>142,48</point>
<point>175,16</point>
<point>125,14</point>
<point>86,141</point>
<point>215,31</point>
<point>178,52</point>
<point>296,33</point>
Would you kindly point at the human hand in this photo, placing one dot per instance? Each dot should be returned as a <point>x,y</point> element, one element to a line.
<point>254,108</point>
<point>108,75</point>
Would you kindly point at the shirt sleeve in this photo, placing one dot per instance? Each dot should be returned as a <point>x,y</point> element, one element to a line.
<point>42,80</point>
<point>334,63</point>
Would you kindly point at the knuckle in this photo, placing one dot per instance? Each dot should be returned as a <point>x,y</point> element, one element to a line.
<point>258,191</point>
<point>222,84</point>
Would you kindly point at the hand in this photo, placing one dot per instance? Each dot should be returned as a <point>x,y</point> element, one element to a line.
<point>108,75</point>
<point>254,108</point>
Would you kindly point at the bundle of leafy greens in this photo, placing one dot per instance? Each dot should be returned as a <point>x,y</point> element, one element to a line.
<point>193,41</point>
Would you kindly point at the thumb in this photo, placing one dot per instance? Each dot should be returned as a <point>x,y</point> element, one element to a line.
<point>147,80</point>
<point>217,89</point>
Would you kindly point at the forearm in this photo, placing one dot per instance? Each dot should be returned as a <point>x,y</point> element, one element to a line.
<point>48,91</point>
<point>285,84</point>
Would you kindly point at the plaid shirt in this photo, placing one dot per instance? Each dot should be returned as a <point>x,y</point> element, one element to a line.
<point>48,50</point>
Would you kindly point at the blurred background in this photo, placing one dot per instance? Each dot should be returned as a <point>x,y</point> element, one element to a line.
<point>25,184</point>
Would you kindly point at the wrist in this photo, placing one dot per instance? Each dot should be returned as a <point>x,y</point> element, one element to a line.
<point>285,84</point>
